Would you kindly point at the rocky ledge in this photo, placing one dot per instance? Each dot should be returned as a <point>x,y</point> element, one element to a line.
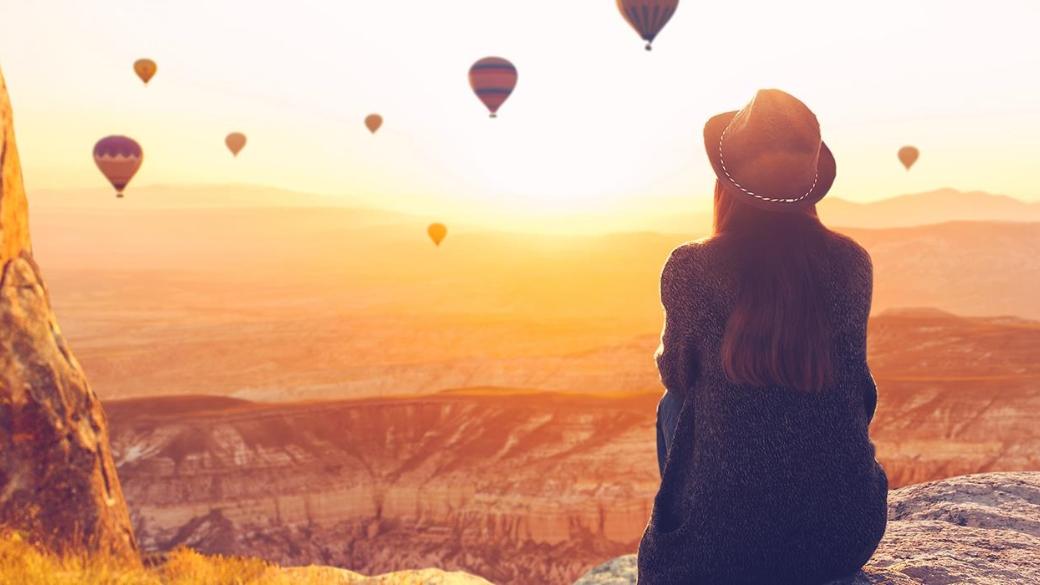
<point>333,576</point>
<point>975,529</point>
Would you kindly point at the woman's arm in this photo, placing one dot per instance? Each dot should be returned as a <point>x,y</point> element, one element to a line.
<point>870,397</point>
<point>675,357</point>
<point>865,275</point>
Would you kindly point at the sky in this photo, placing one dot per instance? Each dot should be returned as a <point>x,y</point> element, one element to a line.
<point>596,125</point>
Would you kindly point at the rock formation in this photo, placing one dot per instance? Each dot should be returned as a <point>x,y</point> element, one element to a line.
<point>58,482</point>
<point>333,576</point>
<point>516,488</point>
<point>975,529</point>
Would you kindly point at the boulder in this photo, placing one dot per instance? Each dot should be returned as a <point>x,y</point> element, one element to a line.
<point>58,482</point>
<point>975,529</point>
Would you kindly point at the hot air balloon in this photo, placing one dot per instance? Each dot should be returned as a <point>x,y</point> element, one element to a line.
<point>648,17</point>
<point>373,122</point>
<point>492,79</point>
<point>145,69</point>
<point>235,142</point>
<point>437,232</point>
<point>118,157</point>
<point>908,156</point>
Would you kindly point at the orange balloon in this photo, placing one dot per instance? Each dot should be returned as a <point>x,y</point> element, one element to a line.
<point>235,142</point>
<point>145,69</point>
<point>373,122</point>
<point>908,156</point>
<point>437,232</point>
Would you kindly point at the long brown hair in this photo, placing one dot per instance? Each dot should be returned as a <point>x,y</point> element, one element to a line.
<point>779,333</point>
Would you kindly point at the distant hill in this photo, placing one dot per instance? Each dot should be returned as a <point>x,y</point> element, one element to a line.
<point>974,268</point>
<point>181,196</point>
<point>939,206</point>
<point>148,298</point>
<point>932,207</point>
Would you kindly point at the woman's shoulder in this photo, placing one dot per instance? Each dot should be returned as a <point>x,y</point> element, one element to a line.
<point>851,256</point>
<point>691,271</point>
<point>848,248</point>
<point>686,258</point>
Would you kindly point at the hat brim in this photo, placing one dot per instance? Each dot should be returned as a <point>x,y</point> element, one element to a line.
<point>826,169</point>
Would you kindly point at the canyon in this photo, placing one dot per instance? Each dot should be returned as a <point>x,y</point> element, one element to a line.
<point>522,485</point>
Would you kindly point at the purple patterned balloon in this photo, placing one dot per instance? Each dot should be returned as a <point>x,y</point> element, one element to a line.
<point>118,157</point>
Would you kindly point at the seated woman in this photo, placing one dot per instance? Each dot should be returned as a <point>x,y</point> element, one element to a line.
<point>768,474</point>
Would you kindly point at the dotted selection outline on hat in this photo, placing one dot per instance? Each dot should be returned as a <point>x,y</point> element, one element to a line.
<point>722,159</point>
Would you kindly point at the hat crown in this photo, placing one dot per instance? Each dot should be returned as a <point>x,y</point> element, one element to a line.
<point>771,147</point>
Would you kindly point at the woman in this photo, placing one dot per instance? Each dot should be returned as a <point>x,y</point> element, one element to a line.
<point>768,473</point>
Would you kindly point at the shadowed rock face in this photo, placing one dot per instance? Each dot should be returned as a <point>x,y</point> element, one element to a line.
<point>975,529</point>
<point>516,487</point>
<point>57,479</point>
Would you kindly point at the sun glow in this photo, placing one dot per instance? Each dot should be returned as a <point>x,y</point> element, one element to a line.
<point>596,126</point>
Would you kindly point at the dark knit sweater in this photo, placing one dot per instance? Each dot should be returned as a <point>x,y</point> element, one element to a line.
<point>763,485</point>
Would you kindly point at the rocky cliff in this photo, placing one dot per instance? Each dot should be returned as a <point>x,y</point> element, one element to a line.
<point>57,478</point>
<point>520,486</point>
<point>515,487</point>
<point>976,529</point>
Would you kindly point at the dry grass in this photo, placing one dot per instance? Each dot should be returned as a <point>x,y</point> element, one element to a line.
<point>21,563</point>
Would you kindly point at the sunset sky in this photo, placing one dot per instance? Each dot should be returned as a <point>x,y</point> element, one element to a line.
<point>596,125</point>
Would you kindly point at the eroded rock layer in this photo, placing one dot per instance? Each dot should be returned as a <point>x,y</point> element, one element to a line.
<point>57,478</point>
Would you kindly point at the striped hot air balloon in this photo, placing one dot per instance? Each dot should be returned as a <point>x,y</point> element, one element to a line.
<point>648,17</point>
<point>118,157</point>
<point>493,79</point>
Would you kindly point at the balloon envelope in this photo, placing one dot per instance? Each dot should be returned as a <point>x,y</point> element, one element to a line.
<point>118,158</point>
<point>908,156</point>
<point>437,232</point>
<point>648,17</point>
<point>235,142</point>
<point>373,122</point>
<point>145,69</point>
<point>493,79</point>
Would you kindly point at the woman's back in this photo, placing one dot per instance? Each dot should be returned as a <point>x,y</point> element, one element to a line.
<point>764,484</point>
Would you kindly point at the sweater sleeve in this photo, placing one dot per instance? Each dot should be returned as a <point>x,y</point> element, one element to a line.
<point>866,285</point>
<point>675,358</point>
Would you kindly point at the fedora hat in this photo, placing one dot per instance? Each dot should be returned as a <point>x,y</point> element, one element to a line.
<point>770,153</point>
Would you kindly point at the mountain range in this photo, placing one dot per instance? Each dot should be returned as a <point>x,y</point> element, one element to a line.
<point>240,301</point>
<point>929,207</point>
<point>938,206</point>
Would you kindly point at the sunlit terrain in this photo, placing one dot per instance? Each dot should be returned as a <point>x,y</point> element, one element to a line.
<point>305,302</point>
<point>311,383</point>
<point>375,285</point>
